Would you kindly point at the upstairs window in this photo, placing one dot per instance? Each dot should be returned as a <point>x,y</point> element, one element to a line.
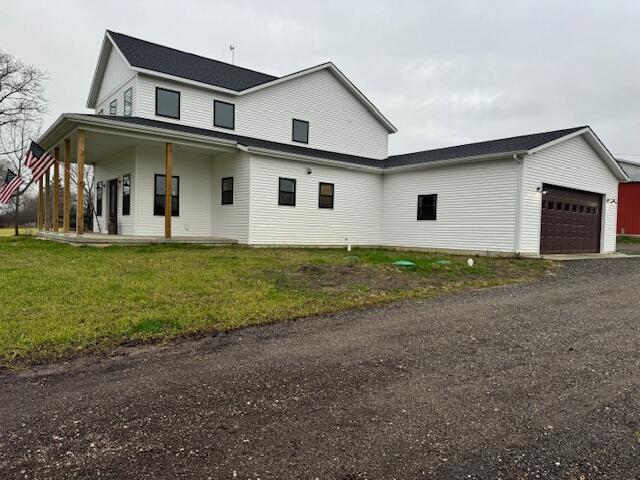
<point>159,195</point>
<point>427,207</point>
<point>128,101</point>
<point>300,131</point>
<point>99,193</point>
<point>101,112</point>
<point>287,192</point>
<point>227,191</point>
<point>167,103</point>
<point>224,115</point>
<point>126,194</point>
<point>113,107</point>
<point>325,199</point>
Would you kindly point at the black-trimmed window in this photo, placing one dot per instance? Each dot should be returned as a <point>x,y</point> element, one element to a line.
<point>224,115</point>
<point>287,191</point>
<point>128,102</point>
<point>99,194</point>
<point>167,103</point>
<point>159,190</point>
<point>126,194</point>
<point>325,195</point>
<point>227,191</point>
<point>427,205</point>
<point>113,107</point>
<point>300,131</point>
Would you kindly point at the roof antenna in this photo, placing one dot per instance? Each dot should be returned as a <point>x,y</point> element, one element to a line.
<point>232,49</point>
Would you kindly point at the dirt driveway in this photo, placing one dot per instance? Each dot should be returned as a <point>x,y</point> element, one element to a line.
<point>532,381</point>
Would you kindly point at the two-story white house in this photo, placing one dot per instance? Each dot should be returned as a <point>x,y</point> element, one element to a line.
<point>186,146</point>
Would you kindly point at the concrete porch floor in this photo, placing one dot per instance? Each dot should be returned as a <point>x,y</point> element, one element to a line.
<point>102,239</point>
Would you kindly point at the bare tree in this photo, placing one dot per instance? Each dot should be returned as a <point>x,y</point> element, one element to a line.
<point>15,138</point>
<point>21,92</point>
<point>22,104</point>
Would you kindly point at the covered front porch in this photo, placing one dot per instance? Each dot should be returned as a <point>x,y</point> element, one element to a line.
<point>147,185</point>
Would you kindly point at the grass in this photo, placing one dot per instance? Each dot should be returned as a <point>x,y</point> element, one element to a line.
<point>59,301</point>
<point>628,240</point>
<point>7,232</point>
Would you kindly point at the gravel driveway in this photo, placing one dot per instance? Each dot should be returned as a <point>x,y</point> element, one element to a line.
<point>532,381</point>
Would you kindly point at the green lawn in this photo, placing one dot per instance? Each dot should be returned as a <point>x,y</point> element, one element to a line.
<point>58,300</point>
<point>628,240</point>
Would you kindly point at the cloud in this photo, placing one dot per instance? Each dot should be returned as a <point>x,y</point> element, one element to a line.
<point>444,72</point>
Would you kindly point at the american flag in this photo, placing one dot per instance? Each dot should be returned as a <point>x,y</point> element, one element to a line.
<point>11,183</point>
<point>38,160</point>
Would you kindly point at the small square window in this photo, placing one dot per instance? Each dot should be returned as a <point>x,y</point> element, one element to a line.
<point>224,115</point>
<point>574,208</point>
<point>300,131</point>
<point>325,199</point>
<point>550,205</point>
<point>287,192</point>
<point>113,107</point>
<point>167,103</point>
<point>227,191</point>
<point>581,208</point>
<point>559,206</point>
<point>427,205</point>
<point>567,207</point>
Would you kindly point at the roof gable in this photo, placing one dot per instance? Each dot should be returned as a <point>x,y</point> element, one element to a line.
<point>158,58</point>
<point>153,59</point>
<point>522,144</point>
<point>519,144</point>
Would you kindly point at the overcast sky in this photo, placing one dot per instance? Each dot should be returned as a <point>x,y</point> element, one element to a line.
<point>444,72</point>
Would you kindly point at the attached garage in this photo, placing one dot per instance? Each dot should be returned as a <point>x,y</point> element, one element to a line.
<point>551,192</point>
<point>571,221</point>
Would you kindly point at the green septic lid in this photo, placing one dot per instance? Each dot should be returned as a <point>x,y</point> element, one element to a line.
<point>441,262</point>
<point>404,263</point>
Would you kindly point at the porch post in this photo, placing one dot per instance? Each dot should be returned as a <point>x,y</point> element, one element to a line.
<point>66,210</point>
<point>40,200</point>
<point>168,172</point>
<point>80,185</point>
<point>47,199</point>
<point>56,190</point>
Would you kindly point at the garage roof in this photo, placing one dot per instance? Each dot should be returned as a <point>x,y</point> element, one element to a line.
<point>521,143</point>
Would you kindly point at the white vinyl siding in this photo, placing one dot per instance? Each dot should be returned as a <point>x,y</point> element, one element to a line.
<point>338,121</point>
<point>476,209</point>
<point>118,95</point>
<point>196,189</point>
<point>571,164</point>
<point>231,221</point>
<point>355,216</point>
<point>115,74</point>
<point>113,169</point>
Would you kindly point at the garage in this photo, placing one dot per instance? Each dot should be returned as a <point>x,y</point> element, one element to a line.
<point>571,221</point>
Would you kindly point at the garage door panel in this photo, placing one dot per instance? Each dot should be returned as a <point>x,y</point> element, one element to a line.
<point>571,221</point>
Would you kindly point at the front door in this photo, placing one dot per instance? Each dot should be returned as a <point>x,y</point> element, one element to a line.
<point>113,207</point>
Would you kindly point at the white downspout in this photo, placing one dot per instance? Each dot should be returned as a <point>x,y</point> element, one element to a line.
<point>519,203</point>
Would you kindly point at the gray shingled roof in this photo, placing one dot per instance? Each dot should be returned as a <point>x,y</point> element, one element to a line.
<point>151,56</point>
<point>493,147</point>
<point>246,141</point>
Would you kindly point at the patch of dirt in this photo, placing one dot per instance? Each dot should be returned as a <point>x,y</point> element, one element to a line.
<point>347,277</point>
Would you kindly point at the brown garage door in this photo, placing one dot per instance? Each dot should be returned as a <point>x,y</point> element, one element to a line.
<point>570,221</point>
